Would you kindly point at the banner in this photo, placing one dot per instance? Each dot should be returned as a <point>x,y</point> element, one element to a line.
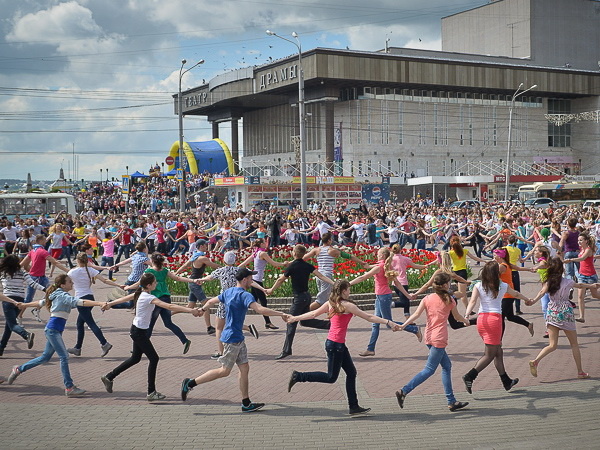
<point>375,193</point>
<point>125,186</point>
<point>337,144</point>
<point>325,180</point>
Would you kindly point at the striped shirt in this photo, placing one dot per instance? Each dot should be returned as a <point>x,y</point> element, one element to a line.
<point>325,261</point>
<point>16,285</point>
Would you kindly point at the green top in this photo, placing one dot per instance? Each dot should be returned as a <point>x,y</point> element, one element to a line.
<point>161,282</point>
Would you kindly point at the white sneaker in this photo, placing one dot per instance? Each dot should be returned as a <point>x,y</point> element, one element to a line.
<point>105,349</point>
<point>74,351</point>
<point>74,392</point>
<point>155,396</point>
<point>36,314</point>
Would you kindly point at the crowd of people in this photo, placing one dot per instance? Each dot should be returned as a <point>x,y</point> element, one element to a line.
<point>559,245</point>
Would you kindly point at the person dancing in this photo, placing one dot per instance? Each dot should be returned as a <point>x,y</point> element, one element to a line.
<point>490,291</point>
<point>437,307</point>
<point>340,311</point>
<point>559,314</point>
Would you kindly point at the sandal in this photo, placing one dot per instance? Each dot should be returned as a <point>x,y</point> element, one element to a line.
<point>580,320</point>
<point>583,375</point>
<point>533,367</point>
<point>457,405</point>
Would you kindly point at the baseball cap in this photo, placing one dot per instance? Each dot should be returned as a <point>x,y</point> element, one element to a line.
<point>244,273</point>
<point>229,258</point>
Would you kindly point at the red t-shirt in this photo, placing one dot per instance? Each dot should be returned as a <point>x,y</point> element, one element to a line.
<point>126,236</point>
<point>38,262</point>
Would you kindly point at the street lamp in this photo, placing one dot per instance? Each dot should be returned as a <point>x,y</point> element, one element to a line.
<point>301,116</point>
<point>107,177</point>
<point>517,93</point>
<point>128,189</point>
<point>180,113</point>
<point>100,177</point>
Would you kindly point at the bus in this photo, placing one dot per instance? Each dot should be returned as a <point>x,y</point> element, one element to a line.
<point>562,193</point>
<point>33,205</point>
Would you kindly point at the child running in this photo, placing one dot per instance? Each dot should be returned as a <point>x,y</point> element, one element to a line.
<point>437,307</point>
<point>144,304</point>
<point>59,303</point>
<point>340,311</point>
<point>559,314</point>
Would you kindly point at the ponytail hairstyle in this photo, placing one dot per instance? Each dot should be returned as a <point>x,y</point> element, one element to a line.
<point>58,282</point>
<point>335,298</point>
<point>502,253</point>
<point>439,280</point>
<point>82,260</point>
<point>158,260</point>
<point>457,246</point>
<point>10,265</point>
<point>445,262</point>
<point>146,280</point>
<point>396,249</point>
<point>387,266</point>
<point>141,247</point>
<point>589,240</point>
<point>490,278</point>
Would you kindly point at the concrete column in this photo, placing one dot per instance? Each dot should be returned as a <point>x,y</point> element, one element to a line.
<point>235,149</point>
<point>215,130</point>
<point>329,136</point>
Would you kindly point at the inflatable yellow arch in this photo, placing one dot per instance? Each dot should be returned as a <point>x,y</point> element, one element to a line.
<point>213,156</point>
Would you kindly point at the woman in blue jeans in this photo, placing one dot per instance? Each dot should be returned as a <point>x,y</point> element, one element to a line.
<point>437,307</point>
<point>83,278</point>
<point>340,311</point>
<point>60,304</point>
<point>383,276</point>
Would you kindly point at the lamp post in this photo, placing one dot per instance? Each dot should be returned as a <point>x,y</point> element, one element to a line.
<point>517,93</point>
<point>128,189</point>
<point>180,114</point>
<point>100,177</point>
<point>301,115</point>
<point>107,177</point>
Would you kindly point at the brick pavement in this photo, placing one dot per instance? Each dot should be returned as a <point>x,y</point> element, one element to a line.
<point>542,412</point>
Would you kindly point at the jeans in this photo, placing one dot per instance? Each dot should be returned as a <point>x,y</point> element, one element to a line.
<point>261,298</point>
<point>383,308</point>
<point>571,269</point>
<point>437,356</point>
<point>301,305</point>
<point>338,357</point>
<point>54,343</point>
<point>404,302</point>
<point>165,315</point>
<point>85,317</point>
<point>544,302</point>
<point>11,325</point>
<point>124,248</point>
<point>43,280</point>
<point>141,346</point>
<point>108,261</point>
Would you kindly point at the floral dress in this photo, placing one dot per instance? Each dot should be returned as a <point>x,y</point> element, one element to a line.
<point>560,312</point>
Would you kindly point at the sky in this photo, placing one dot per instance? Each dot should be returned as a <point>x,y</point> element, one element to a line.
<point>95,78</point>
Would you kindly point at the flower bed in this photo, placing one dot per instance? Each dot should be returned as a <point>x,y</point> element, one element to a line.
<point>343,268</point>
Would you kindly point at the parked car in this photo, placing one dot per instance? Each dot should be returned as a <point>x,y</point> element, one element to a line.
<point>466,204</point>
<point>540,202</point>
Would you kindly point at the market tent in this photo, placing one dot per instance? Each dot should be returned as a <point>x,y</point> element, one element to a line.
<point>137,174</point>
<point>170,173</point>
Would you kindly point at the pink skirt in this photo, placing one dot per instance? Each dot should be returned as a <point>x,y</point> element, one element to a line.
<point>489,326</point>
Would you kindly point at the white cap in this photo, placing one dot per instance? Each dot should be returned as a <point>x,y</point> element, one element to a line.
<point>229,258</point>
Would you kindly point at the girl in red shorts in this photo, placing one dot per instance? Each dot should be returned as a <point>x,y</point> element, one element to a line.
<point>490,291</point>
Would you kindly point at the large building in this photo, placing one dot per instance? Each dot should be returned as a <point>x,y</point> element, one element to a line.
<point>405,112</point>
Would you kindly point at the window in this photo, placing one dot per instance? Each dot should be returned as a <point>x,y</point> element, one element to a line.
<point>559,136</point>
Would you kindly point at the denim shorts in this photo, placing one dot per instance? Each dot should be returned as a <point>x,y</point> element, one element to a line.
<point>196,293</point>
<point>587,279</point>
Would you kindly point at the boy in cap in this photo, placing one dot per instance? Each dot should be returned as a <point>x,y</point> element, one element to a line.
<point>236,300</point>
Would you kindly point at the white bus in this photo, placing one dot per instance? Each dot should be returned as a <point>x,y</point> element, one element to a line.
<point>33,205</point>
<point>562,193</point>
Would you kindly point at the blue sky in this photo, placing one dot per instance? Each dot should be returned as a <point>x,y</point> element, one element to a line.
<point>98,76</point>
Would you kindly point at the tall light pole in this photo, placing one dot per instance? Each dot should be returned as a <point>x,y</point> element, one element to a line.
<point>128,189</point>
<point>301,116</point>
<point>180,113</point>
<point>517,93</point>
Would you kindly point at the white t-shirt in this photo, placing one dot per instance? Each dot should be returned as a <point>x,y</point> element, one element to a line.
<point>489,304</point>
<point>57,239</point>
<point>81,280</point>
<point>143,311</point>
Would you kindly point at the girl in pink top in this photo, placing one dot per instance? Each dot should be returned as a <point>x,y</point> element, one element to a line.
<point>340,310</point>
<point>383,276</point>
<point>437,307</point>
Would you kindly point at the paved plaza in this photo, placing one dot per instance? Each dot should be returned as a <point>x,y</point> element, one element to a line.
<point>554,410</point>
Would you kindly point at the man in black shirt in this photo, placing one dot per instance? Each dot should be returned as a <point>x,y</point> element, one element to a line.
<point>299,272</point>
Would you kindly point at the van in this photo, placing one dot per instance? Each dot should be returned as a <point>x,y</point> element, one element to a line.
<point>591,204</point>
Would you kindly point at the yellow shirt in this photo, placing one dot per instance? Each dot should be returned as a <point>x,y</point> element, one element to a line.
<point>513,254</point>
<point>459,263</point>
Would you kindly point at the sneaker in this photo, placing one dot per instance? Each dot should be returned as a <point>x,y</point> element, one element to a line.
<point>74,351</point>
<point>105,349</point>
<point>74,392</point>
<point>519,313</point>
<point>186,346</point>
<point>36,314</point>
<point>211,330</point>
<point>367,353</point>
<point>112,279</point>
<point>155,396</point>
<point>185,388</point>
<point>108,384</point>
<point>30,337</point>
<point>1,351</point>
<point>400,396</point>
<point>533,368</point>
<point>419,335</point>
<point>358,410</point>
<point>13,375</point>
<point>293,380</point>
<point>512,383</point>
<point>252,407</point>
<point>468,384</point>
<point>253,331</point>
<point>215,355</point>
